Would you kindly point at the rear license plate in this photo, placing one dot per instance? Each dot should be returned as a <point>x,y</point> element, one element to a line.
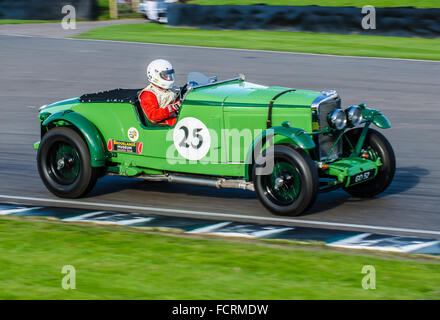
<point>361,177</point>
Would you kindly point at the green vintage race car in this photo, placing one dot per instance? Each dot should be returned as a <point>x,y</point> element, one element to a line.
<point>285,144</point>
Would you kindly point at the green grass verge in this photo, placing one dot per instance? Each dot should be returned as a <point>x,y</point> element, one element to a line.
<point>126,263</point>
<point>17,21</point>
<point>331,3</point>
<point>356,45</point>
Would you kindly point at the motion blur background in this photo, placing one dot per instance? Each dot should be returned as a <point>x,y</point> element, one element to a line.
<point>337,16</point>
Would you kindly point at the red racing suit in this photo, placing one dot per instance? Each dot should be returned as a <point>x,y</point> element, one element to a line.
<point>159,105</point>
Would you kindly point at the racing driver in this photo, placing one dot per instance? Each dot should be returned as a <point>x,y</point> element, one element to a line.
<point>159,99</point>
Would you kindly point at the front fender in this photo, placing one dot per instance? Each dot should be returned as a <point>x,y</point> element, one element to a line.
<point>381,121</point>
<point>294,136</point>
<point>375,116</point>
<point>89,132</point>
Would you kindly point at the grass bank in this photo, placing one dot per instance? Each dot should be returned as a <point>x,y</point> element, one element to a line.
<point>17,21</point>
<point>125,263</point>
<point>355,45</point>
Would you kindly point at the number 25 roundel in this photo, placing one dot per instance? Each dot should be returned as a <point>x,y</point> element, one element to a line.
<point>191,138</point>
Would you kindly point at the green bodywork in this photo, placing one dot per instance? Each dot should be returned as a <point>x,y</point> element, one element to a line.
<point>231,110</point>
<point>349,167</point>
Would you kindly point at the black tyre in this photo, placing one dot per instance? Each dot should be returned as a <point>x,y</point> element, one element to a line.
<point>64,163</point>
<point>291,188</point>
<point>378,146</point>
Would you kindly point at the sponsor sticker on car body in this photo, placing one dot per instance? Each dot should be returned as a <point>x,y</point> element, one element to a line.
<point>124,146</point>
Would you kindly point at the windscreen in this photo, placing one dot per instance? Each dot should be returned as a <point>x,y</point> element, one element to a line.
<point>197,79</point>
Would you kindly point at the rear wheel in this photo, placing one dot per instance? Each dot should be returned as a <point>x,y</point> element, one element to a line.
<point>64,163</point>
<point>376,145</point>
<point>291,187</point>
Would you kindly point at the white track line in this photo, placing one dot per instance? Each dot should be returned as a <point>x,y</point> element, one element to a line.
<point>257,234</point>
<point>19,210</point>
<point>85,217</point>
<point>265,233</point>
<point>222,215</point>
<point>360,241</point>
<point>210,228</point>
<point>90,217</point>
<point>133,221</point>
<point>217,48</point>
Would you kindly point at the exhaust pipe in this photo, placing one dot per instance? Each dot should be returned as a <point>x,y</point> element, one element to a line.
<point>203,182</point>
<point>215,183</point>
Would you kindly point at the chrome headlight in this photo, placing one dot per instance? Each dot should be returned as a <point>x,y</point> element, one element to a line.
<point>354,116</point>
<point>337,119</point>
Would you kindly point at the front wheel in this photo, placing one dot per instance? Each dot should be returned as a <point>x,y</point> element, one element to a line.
<point>376,145</point>
<point>292,185</point>
<point>64,163</point>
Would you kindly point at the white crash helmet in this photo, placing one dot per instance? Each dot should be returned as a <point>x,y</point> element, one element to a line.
<point>161,73</point>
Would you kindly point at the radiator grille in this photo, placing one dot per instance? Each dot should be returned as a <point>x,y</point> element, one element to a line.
<point>326,141</point>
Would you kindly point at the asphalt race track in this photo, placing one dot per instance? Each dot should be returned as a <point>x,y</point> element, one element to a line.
<point>35,71</point>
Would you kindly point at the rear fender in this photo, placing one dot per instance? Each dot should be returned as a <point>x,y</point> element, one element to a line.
<point>87,129</point>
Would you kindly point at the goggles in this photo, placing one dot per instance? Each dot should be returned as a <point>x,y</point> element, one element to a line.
<point>167,75</point>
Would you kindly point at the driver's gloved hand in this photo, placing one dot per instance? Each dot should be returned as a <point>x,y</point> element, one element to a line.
<point>176,106</point>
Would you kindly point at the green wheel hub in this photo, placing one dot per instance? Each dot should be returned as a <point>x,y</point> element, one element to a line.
<point>284,184</point>
<point>64,163</point>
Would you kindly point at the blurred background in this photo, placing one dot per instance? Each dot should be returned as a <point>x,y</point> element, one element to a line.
<point>392,17</point>
<point>386,55</point>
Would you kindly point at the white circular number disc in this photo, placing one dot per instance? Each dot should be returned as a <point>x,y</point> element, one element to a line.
<point>191,138</point>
